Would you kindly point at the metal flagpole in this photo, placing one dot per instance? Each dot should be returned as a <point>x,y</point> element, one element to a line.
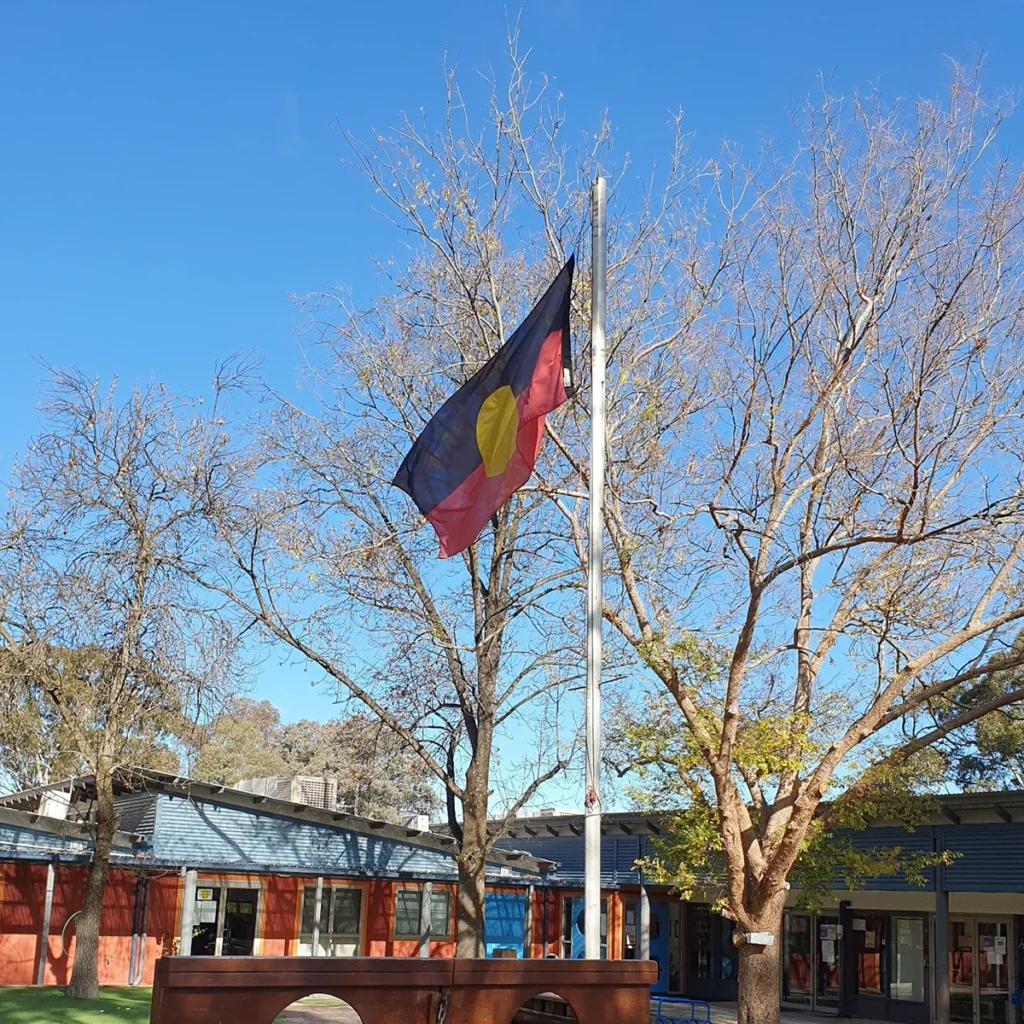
<point>595,561</point>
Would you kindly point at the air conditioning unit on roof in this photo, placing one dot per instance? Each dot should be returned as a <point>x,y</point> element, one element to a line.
<point>310,790</point>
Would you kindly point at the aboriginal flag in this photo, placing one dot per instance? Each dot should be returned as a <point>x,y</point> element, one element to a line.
<point>480,447</point>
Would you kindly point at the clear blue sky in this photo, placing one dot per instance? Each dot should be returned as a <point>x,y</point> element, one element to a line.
<point>169,173</point>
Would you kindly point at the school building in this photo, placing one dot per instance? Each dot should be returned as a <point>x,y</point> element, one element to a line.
<point>208,871</point>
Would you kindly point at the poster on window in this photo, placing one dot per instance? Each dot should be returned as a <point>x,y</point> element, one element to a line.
<point>828,951</point>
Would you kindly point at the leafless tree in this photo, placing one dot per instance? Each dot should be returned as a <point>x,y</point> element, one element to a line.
<point>99,635</point>
<point>814,486</point>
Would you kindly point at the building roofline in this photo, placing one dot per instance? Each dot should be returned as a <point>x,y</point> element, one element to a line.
<point>143,779</point>
<point>953,809</point>
<point>62,827</point>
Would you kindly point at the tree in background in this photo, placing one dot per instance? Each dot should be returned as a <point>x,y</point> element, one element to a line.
<point>989,752</point>
<point>813,501</point>
<point>242,742</point>
<point>377,775</point>
<point>33,749</point>
<point>101,641</point>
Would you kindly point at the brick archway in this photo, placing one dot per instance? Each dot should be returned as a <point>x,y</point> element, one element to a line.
<point>254,990</point>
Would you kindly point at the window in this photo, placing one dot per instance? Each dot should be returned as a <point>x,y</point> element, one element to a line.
<point>907,960</point>
<point>711,951</point>
<point>345,907</point>
<point>309,910</point>
<point>574,926</point>
<point>869,950</point>
<point>440,914</point>
<point>700,947</point>
<point>407,913</point>
<point>630,950</point>
<point>340,918</point>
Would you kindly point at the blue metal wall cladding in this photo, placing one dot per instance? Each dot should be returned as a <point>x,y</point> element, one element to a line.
<point>17,842</point>
<point>503,921</point>
<point>619,854</point>
<point>201,832</point>
<point>917,841</point>
<point>991,857</point>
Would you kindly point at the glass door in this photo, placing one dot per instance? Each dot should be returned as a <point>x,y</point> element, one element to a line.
<point>961,970</point>
<point>826,990</point>
<point>797,960</point>
<point>979,970</point>
<point>238,935</point>
<point>993,972</point>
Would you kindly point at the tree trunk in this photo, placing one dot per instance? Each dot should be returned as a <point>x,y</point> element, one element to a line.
<point>472,863</point>
<point>84,982</point>
<point>759,971</point>
<point>470,917</point>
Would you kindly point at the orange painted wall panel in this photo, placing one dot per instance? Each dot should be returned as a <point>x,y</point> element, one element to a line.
<point>22,895</point>
<point>379,937</point>
<point>280,915</point>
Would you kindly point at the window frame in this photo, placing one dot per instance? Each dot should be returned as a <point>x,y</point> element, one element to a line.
<point>435,896</point>
<point>894,947</point>
<point>568,925</point>
<point>330,935</point>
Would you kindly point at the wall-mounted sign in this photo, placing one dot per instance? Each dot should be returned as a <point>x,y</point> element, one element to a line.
<point>204,895</point>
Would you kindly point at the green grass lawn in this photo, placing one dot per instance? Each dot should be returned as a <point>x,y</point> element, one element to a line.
<point>51,1006</point>
<point>114,1006</point>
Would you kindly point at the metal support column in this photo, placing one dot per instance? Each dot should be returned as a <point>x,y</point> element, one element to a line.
<point>847,966</point>
<point>940,961</point>
<point>644,924</point>
<point>140,969</point>
<point>426,894</point>
<point>188,913</point>
<point>44,935</point>
<point>318,905</point>
<point>136,926</point>
<point>545,923</point>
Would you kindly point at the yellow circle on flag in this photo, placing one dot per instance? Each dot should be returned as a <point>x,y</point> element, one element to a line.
<point>497,424</point>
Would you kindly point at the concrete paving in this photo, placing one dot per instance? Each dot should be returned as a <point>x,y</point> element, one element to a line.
<point>725,1013</point>
<point>317,1010</point>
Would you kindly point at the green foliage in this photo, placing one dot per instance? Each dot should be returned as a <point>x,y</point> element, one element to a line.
<point>240,744</point>
<point>989,754</point>
<point>57,711</point>
<point>668,771</point>
<point>829,852</point>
